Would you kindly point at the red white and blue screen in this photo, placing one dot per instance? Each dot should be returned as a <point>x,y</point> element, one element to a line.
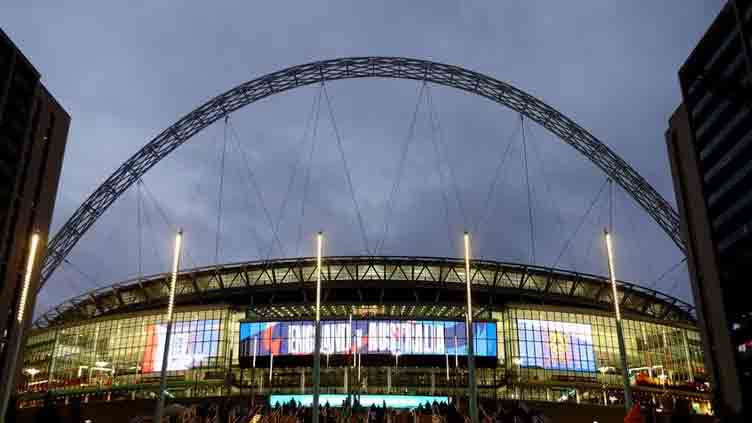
<point>408,337</point>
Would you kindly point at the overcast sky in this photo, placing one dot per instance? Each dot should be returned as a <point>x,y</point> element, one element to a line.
<point>127,70</point>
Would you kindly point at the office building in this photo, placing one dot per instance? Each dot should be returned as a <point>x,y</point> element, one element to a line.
<point>710,147</point>
<point>33,133</point>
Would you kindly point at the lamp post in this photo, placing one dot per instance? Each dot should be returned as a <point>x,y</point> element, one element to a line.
<point>471,382</point>
<point>170,308</point>
<point>619,327</point>
<point>317,333</point>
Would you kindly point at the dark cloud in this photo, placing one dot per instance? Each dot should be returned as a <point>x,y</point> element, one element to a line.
<point>125,71</point>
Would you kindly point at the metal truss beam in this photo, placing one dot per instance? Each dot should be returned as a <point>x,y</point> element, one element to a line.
<point>351,68</point>
<point>413,280</point>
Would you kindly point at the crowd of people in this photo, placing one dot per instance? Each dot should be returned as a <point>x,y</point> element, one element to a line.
<point>351,411</point>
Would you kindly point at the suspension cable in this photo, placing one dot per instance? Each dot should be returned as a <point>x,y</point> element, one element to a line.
<point>221,192</point>
<point>400,168</point>
<point>140,231</point>
<point>152,230</point>
<point>452,175</point>
<point>256,187</point>
<point>437,150</point>
<point>654,283</point>
<point>307,177</point>
<point>190,260</point>
<point>85,275</point>
<point>529,194</point>
<point>294,171</point>
<point>347,170</point>
<point>559,218</point>
<point>582,222</point>
<point>485,210</point>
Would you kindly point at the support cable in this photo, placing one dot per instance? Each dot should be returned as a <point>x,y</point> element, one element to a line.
<point>257,189</point>
<point>610,206</point>
<point>638,240</point>
<point>307,177</point>
<point>559,218</point>
<point>173,228</point>
<point>347,170</point>
<point>85,275</point>
<point>670,270</point>
<point>140,231</point>
<point>597,244</point>
<point>220,193</point>
<point>486,208</point>
<point>294,171</point>
<point>152,230</point>
<point>437,150</point>
<point>400,169</point>
<point>581,224</point>
<point>529,194</point>
<point>452,175</point>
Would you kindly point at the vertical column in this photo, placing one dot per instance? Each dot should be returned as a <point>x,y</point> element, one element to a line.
<point>690,373</point>
<point>317,335</point>
<point>472,384</point>
<point>170,308</point>
<point>619,326</point>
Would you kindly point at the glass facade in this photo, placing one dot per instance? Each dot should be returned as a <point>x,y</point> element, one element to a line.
<point>542,353</point>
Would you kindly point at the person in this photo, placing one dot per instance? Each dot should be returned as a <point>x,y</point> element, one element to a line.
<point>48,413</point>
<point>76,410</point>
<point>681,411</point>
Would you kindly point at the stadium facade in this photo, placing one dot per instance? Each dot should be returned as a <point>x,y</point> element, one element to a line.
<point>540,334</point>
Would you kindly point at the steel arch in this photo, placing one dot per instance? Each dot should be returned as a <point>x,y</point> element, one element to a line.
<point>350,68</point>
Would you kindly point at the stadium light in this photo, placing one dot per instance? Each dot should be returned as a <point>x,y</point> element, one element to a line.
<point>317,332</point>
<point>446,355</point>
<point>619,326</point>
<point>174,275</point>
<point>32,371</point>
<point>27,276</point>
<point>170,308</point>
<point>472,388</point>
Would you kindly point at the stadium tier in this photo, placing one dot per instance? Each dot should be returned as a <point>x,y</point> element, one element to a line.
<point>390,326</point>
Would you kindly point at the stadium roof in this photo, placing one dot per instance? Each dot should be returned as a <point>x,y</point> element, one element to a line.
<point>368,280</point>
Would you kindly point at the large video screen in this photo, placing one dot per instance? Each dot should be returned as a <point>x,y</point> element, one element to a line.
<point>556,345</point>
<point>407,337</point>
<point>366,400</point>
<point>190,343</point>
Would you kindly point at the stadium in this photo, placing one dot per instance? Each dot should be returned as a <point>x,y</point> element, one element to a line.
<point>392,326</point>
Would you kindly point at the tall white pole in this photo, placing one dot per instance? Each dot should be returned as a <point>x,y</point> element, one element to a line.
<point>446,355</point>
<point>456,357</point>
<point>317,332</point>
<point>170,308</point>
<point>255,350</point>
<point>619,326</point>
<point>271,367</point>
<point>357,349</point>
<point>472,383</point>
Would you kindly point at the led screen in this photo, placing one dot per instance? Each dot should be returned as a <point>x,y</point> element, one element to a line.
<point>556,345</point>
<point>409,337</point>
<point>190,343</point>
<point>336,400</point>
